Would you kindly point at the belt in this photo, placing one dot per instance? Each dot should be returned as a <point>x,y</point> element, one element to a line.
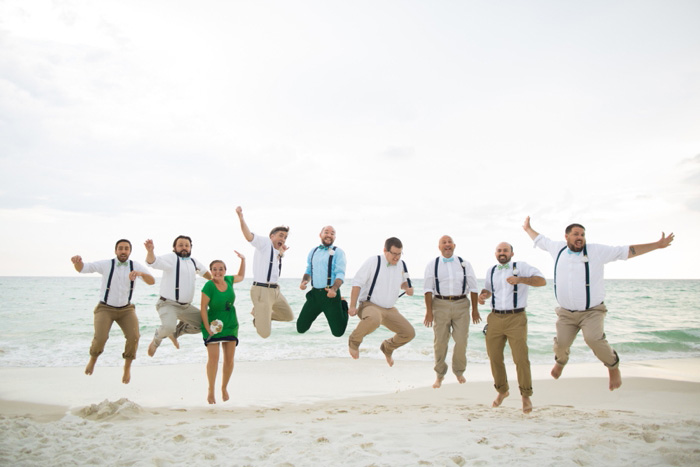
<point>509,312</point>
<point>579,311</point>
<point>262,284</point>
<point>450,297</point>
<point>118,307</point>
<point>179,303</point>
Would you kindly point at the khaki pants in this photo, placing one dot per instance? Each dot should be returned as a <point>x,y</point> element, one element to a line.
<point>268,305</point>
<point>591,323</point>
<point>126,318</point>
<point>170,311</point>
<point>450,317</point>
<point>371,316</point>
<point>513,329</point>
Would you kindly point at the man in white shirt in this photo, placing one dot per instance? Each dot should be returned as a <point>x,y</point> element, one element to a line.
<point>507,285</point>
<point>268,302</point>
<point>180,271</point>
<point>118,277</point>
<point>447,280</point>
<point>579,290</point>
<point>377,285</point>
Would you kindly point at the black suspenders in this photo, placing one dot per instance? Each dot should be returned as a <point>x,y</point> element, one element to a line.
<point>272,260</point>
<point>330,266</point>
<point>177,277</point>
<point>464,272</point>
<point>493,290</point>
<point>588,275</point>
<point>109,282</point>
<point>374,281</point>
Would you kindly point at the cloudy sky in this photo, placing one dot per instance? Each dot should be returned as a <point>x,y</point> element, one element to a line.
<point>147,119</point>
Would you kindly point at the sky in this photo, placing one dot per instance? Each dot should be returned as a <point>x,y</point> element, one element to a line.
<point>414,119</point>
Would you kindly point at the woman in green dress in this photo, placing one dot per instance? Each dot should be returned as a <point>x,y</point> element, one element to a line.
<point>217,304</point>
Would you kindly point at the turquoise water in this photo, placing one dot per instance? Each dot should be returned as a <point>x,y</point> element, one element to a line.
<point>47,321</point>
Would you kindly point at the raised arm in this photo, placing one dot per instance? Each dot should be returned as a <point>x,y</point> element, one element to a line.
<point>244,227</point>
<point>150,255</point>
<point>530,231</point>
<point>241,270</point>
<point>663,242</point>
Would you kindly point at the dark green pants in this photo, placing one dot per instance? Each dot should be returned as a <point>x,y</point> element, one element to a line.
<point>317,302</point>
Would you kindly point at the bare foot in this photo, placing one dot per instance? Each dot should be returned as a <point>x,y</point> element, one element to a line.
<point>354,353</point>
<point>556,370</point>
<point>210,396</point>
<point>615,378</point>
<point>175,342</point>
<point>499,399</point>
<point>438,382</point>
<point>461,379</point>
<point>152,347</point>
<point>126,378</point>
<point>387,354</point>
<point>224,394</point>
<point>527,404</point>
<point>90,366</point>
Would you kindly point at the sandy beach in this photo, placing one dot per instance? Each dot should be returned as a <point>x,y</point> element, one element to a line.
<point>344,412</point>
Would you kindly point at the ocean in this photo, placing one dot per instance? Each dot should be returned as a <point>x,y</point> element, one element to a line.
<point>47,322</point>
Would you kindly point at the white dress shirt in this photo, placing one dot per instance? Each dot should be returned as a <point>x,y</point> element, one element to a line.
<point>570,276</point>
<point>188,275</point>
<point>121,285</point>
<point>503,291</point>
<point>261,260</point>
<point>450,277</point>
<point>388,286</point>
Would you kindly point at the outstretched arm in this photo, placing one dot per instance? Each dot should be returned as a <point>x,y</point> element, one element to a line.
<point>244,227</point>
<point>530,231</point>
<point>663,242</point>
<point>77,263</point>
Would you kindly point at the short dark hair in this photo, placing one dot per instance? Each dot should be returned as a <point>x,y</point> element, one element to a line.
<point>279,228</point>
<point>392,241</point>
<point>571,227</point>
<point>123,240</point>
<point>216,261</point>
<point>182,236</point>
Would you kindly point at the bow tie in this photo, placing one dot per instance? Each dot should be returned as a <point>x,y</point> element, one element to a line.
<point>573,252</point>
<point>125,263</point>
<point>448,260</point>
<point>504,266</point>
<point>322,247</point>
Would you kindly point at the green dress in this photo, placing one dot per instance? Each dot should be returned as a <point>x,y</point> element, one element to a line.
<point>221,307</point>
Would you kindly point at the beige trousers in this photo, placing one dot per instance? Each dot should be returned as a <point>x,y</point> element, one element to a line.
<point>126,318</point>
<point>513,329</point>
<point>372,316</point>
<point>268,305</point>
<point>591,323</point>
<point>450,318</point>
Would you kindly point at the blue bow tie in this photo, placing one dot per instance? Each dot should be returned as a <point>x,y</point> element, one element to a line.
<point>322,247</point>
<point>125,263</point>
<point>573,252</point>
<point>448,260</point>
<point>504,266</point>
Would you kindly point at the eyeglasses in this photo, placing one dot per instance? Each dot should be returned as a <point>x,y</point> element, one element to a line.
<point>396,254</point>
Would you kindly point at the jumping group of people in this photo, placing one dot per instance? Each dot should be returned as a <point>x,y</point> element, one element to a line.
<point>450,289</point>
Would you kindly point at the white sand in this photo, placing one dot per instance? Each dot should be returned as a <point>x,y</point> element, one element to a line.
<point>336,412</point>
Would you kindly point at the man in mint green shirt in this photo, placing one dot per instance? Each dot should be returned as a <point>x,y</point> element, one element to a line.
<point>325,270</point>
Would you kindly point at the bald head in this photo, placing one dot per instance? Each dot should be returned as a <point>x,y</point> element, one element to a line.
<point>327,235</point>
<point>504,252</point>
<point>446,246</point>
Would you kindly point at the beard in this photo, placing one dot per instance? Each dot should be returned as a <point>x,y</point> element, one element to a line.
<point>183,254</point>
<point>503,259</point>
<point>575,248</point>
